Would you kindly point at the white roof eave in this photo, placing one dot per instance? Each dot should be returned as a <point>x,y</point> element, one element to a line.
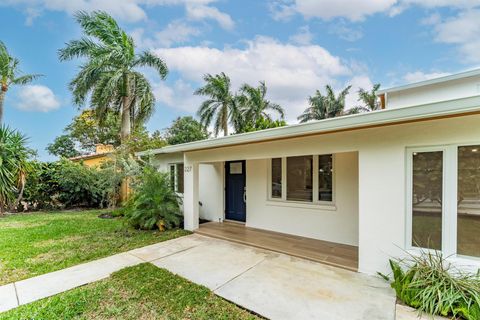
<point>451,107</point>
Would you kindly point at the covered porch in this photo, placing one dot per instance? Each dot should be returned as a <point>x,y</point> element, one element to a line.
<point>330,253</point>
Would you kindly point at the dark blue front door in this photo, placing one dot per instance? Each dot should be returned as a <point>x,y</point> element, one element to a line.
<point>235,192</point>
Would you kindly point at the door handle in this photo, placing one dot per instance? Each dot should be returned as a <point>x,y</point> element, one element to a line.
<point>244,195</point>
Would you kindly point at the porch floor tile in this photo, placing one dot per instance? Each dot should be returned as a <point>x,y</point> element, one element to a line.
<point>335,254</point>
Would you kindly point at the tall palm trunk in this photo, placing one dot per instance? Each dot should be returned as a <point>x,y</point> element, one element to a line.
<point>3,91</point>
<point>125,130</point>
<point>225,120</point>
<point>126,126</point>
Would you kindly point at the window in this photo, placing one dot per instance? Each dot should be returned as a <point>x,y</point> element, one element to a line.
<point>468,201</point>
<point>325,177</point>
<point>302,179</point>
<point>277,178</point>
<point>299,178</point>
<point>444,199</point>
<point>427,193</point>
<point>176,177</point>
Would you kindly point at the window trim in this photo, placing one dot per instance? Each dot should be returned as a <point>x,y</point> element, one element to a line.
<point>449,205</point>
<point>175,178</point>
<point>315,202</point>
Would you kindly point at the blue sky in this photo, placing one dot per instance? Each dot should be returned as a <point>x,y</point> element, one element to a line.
<point>296,46</point>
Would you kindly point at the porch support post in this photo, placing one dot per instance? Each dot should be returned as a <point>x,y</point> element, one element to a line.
<point>190,196</point>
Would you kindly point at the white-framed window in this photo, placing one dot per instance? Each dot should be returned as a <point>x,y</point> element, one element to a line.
<point>176,176</point>
<point>443,199</point>
<point>302,179</point>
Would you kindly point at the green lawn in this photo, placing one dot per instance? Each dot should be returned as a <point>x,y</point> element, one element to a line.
<point>33,244</point>
<point>140,292</point>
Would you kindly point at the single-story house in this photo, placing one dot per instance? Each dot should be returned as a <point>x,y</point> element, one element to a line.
<point>401,179</point>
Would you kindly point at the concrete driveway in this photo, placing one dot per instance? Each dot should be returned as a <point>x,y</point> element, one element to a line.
<point>277,286</point>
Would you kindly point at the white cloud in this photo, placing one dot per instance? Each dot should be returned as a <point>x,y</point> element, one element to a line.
<point>462,30</point>
<point>176,32</point>
<point>303,36</point>
<point>178,96</point>
<point>127,10</point>
<point>418,76</point>
<point>37,98</point>
<point>357,82</point>
<point>201,12</point>
<point>345,32</point>
<point>291,73</point>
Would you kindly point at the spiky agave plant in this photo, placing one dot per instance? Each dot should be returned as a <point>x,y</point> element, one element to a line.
<point>14,165</point>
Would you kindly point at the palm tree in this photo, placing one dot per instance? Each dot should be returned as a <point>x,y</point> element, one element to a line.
<point>326,106</point>
<point>109,75</point>
<point>221,103</point>
<point>254,106</point>
<point>10,75</point>
<point>369,99</point>
<point>14,167</point>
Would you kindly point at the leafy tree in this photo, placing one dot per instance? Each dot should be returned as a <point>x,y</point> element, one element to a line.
<point>88,131</point>
<point>219,107</point>
<point>369,98</point>
<point>253,109</point>
<point>10,75</point>
<point>110,75</point>
<point>14,166</point>
<point>63,146</point>
<point>141,140</point>
<point>262,124</point>
<point>185,129</point>
<point>326,106</point>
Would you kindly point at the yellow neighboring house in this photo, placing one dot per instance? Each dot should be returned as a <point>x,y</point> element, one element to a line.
<point>102,153</point>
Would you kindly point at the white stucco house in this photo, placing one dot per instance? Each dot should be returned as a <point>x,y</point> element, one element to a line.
<point>389,181</point>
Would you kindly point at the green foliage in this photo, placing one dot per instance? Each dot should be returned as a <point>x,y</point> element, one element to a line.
<point>14,165</point>
<point>430,284</point>
<point>63,146</point>
<point>325,106</point>
<point>219,107</point>
<point>141,140</point>
<point>110,77</point>
<point>253,109</point>
<point>153,201</point>
<point>67,184</point>
<point>185,129</point>
<point>262,124</point>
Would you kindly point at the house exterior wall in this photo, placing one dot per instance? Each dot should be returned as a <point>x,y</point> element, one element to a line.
<point>460,88</point>
<point>335,223</point>
<point>381,170</point>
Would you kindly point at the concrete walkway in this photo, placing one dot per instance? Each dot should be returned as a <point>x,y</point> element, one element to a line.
<point>273,285</point>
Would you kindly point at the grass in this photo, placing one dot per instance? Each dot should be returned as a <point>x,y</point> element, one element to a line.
<point>34,244</point>
<point>140,292</point>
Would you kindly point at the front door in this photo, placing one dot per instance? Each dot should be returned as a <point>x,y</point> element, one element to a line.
<point>235,192</point>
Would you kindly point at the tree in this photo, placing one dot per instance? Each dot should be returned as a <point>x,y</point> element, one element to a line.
<point>185,129</point>
<point>87,130</point>
<point>253,107</point>
<point>110,76</point>
<point>219,107</point>
<point>326,106</point>
<point>63,146</point>
<point>262,124</point>
<point>14,166</point>
<point>10,75</point>
<point>369,98</point>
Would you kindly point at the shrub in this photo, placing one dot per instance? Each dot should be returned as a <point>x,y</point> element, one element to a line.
<point>66,184</point>
<point>153,202</point>
<point>432,285</point>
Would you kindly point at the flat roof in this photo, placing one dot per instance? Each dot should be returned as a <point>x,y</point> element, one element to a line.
<point>457,107</point>
<point>456,76</point>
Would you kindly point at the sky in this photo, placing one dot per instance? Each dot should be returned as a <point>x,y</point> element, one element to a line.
<point>295,46</point>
